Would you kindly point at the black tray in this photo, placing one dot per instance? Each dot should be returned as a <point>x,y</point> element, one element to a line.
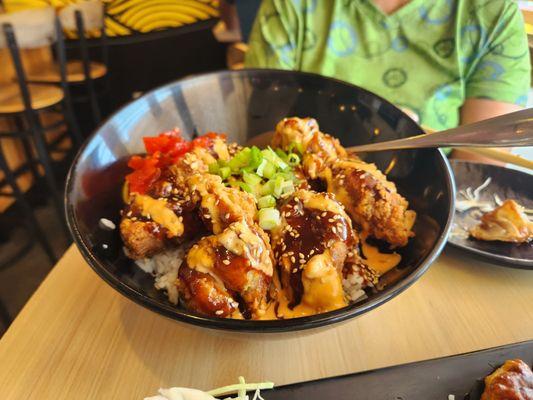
<point>425,380</point>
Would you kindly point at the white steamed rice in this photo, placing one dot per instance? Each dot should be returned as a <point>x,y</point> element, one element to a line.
<point>164,268</point>
<point>353,285</point>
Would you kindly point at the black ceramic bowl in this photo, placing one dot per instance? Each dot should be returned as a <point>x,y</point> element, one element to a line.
<point>244,104</point>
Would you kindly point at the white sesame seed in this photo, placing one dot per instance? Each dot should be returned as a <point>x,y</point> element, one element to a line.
<point>219,312</point>
<point>226,262</point>
<point>293,259</point>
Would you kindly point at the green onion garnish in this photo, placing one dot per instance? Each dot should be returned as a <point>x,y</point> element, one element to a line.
<point>269,218</point>
<point>266,201</point>
<point>267,174</point>
<point>293,159</point>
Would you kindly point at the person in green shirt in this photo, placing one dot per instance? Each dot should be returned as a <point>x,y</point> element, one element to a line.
<point>448,61</point>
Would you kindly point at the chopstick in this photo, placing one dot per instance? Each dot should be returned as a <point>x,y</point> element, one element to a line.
<point>495,154</point>
<point>500,155</point>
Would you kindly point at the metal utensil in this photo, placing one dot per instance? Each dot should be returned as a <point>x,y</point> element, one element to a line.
<point>509,130</point>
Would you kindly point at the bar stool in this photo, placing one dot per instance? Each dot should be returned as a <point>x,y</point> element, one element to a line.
<point>35,232</point>
<point>80,18</point>
<point>23,102</point>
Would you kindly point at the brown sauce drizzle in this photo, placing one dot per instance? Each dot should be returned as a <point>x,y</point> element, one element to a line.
<point>307,233</point>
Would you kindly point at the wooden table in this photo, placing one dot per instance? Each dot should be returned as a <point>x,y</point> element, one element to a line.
<point>79,339</point>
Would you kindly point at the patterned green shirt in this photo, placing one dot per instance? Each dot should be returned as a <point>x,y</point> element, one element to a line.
<point>428,56</point>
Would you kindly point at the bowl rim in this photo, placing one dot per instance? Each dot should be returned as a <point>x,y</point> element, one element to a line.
<point>250,326</point>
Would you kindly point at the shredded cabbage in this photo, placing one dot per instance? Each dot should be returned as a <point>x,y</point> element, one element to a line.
<point>240,388</point>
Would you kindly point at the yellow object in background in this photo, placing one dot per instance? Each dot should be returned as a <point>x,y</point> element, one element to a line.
<point>126,17</point>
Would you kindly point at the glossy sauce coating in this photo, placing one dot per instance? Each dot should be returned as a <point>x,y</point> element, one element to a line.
<point>512,381</point>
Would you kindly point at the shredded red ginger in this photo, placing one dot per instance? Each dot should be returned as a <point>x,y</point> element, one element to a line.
<point>162,150</point>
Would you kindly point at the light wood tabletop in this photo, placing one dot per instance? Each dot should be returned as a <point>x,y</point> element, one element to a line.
<point>77,338</point>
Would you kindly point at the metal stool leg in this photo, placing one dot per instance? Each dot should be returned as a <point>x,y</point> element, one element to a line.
<point>87,68</point>
<point>32,222</point>
<point>45,160</point>
<point>28,152</point>
<point>67,101</point>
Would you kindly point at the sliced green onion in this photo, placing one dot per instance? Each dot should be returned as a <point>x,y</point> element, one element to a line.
<point>240,160</point>
<point>266,201</point>
<point>286,175</point>
<point>256,157</point>
<point>261,167</point>
<point>294,145</point>
<point>271,156</point>
<point>214,168</point>
<point>281,154</point>
<point>293,159</point>
<point>269,218</point>
<point>244,186</point>
<point>224,172</point>
<point>251,179</point>
<point>287,187</point>
<point>222,163</point>
<point>267,188</point>
<point>269,171</point>
<point>278,186</point>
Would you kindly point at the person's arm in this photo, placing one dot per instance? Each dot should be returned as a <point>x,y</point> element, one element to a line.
<point>475,110</point>
<point>498,81</point>
<point>275,36</point>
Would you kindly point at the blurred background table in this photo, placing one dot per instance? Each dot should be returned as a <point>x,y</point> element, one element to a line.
<point>78,338</point>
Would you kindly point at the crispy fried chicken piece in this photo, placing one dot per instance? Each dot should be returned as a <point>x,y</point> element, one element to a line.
<point>227,270</point>
<point>169,213</point>
<point>221,205</point>
<point>506,223</point>
<point>312,244</point>
<point>304,133</point>
<point>319,149</point>
<point>512,381</point>
<point>203,293</point>
<point>198,160</point>
<point>371,200</point>
<point>165,216</point>
<point>141,238</point>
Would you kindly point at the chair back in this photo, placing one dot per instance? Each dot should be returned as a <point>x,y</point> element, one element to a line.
<point>8,35</point>
<point>33,28</point>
